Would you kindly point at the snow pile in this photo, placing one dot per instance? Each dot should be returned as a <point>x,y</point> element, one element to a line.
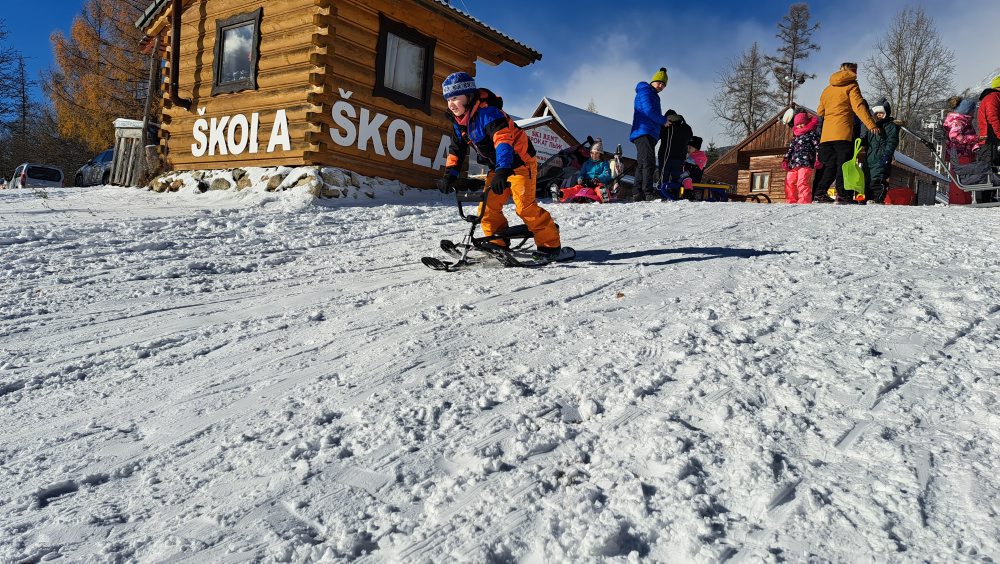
<point>258,184</point>
<point>236,375</point>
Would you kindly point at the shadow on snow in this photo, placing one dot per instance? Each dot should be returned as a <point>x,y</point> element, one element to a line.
<point>694,254</point>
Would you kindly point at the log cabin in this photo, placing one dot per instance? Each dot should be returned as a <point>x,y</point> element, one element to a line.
<point>352,84</point>
<point>754,165</point>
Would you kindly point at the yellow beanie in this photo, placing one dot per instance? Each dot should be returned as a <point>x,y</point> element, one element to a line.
<point>996,83</point>
<point>660,76</point>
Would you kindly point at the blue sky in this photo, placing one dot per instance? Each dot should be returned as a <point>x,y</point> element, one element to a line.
<point>599,50</point>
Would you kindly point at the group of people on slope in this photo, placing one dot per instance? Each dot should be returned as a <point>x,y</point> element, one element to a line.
<point>679,161</point>
<point>824,142</point>
<point>479,122</point>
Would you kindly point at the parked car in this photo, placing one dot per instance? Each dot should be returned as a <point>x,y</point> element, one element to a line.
<point>30,175</point>
<point>96,171</point>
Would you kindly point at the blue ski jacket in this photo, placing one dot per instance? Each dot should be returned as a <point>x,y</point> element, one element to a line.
<point>598,170</point>
<point>647,119</point>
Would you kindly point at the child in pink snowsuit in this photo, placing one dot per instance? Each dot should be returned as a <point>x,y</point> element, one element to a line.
<point>802,159</point>
<point>962,136</point>
<point>694,164</point>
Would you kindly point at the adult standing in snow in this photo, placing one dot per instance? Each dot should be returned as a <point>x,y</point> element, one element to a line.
<point>478,121</point>
<point>989,128</point>
<point>989,119</point>
<point>647,120</point>
<point>880,152</point>
<point>839,103</point>
<point>801,159</point>
<point>674,138</point>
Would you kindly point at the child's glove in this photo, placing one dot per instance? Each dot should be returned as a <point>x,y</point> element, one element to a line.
<point>446,182</point>
<point>500,177</point>
<point>817,165</point>
<point>784,165</point>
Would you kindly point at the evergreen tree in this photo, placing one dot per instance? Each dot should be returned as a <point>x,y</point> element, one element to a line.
<point>712,153</point>
<point>99,75</point>
<point>744,100</point>
<point>592,107</point>
<point>795,32</point>
<point>8,71</point>
<point>18,110</point>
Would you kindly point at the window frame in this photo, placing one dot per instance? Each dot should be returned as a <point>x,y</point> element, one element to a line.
<point>763,173</point>
<point>254,17</point>
<point>387,26</point>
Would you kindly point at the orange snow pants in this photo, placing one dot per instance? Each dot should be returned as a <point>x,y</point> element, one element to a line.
<point>522,188</point>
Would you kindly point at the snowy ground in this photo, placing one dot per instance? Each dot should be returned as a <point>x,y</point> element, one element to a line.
<point>247,376</point>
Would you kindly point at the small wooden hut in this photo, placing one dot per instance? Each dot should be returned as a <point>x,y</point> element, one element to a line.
<point>354,84</point>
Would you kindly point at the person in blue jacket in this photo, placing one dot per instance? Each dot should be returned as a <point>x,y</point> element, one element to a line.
<point>596,170</point>
<point>647,120</point>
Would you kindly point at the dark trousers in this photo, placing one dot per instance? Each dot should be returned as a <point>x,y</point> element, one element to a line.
<point>672,170</point>
<point>833,155</point>
<point>876,188</point>
<point>645,170</point>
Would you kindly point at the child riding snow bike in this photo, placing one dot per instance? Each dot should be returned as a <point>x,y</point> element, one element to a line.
<point>514,238</point>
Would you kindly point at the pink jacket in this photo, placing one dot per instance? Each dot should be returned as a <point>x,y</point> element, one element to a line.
<point>961,135</point>
<point>699,158</point>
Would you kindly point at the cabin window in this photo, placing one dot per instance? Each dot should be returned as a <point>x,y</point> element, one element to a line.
<point>237,48</point>
<point>404,65</point>
<point>760,181</point>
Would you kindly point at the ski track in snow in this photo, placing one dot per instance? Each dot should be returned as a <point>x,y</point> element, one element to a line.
<point>221,377</point>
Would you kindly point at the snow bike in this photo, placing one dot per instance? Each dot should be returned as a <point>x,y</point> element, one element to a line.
<point>513,254</point>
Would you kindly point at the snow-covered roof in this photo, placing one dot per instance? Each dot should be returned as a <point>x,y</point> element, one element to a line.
<point>536,54</point>
<point>581,123</point>
<point>528,123</point>
<point>909,162</point>
<point>158,6</point>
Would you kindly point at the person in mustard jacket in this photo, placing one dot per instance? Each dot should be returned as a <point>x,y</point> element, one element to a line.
<point>479,122</point>
<point>839,103</point>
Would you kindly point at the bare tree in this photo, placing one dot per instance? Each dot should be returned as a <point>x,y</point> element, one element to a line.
<point>911,67</point>
<point>744,99</point>
<point>592,107</point>
<point>795,31</point>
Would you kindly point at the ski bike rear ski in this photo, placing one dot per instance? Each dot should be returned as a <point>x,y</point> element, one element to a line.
<point>512,254</point>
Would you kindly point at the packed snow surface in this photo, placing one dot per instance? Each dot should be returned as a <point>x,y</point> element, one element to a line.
<point>236,376</point>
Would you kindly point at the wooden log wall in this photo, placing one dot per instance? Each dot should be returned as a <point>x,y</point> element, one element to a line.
<point>310,51</point>
<point>347,54</point>
<point>766,163</point>
<point>283,80</point>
